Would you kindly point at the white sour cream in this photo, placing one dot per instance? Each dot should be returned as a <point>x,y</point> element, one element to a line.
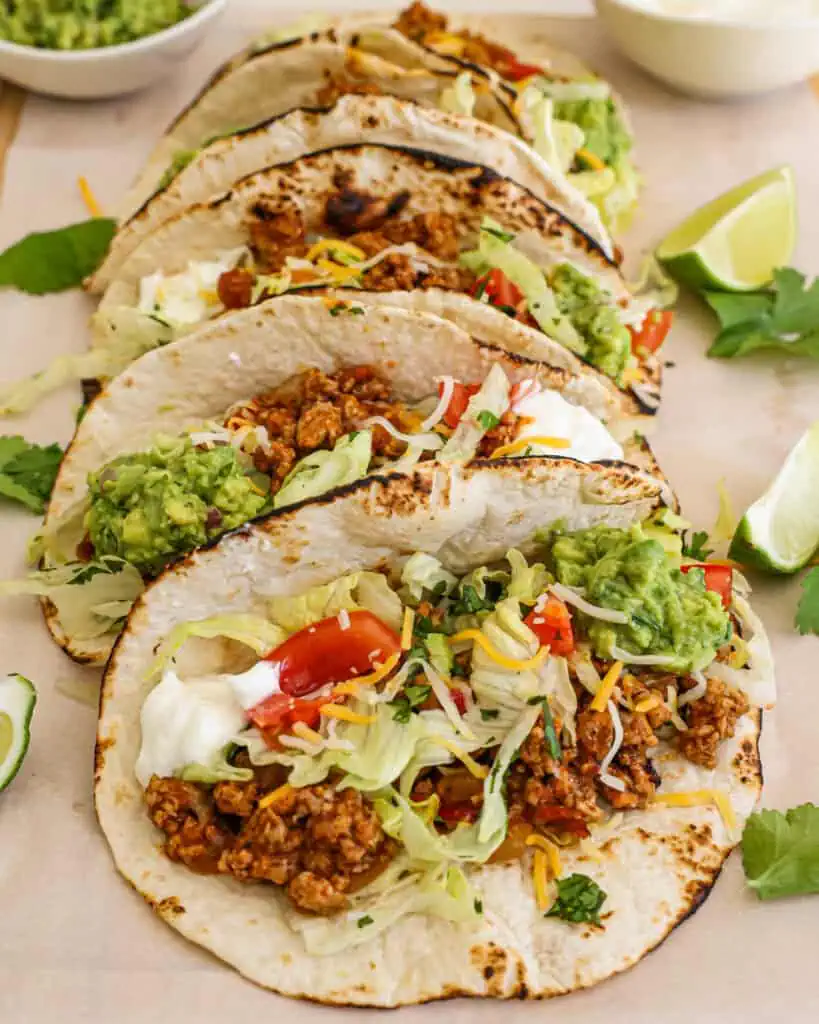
<point>734,10</point>
<point>189,297</point>
<point>550,415</point>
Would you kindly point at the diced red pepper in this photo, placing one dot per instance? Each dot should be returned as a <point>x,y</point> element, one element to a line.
<point>552,625</point>
<point>458,812</point>
<point>719,578</point>
<point>564,819</point>
<point>654,331</point>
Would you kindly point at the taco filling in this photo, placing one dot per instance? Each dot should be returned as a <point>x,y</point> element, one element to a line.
<point>367,244</point>
<point>593,141</point>
<point>400,727</point>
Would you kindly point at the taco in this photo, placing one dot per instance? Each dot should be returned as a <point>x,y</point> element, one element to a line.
<point>270,407</point>
<point>471,731</point>
<point>387,218</point>
<point>585,132</point>
<point>213,169</point>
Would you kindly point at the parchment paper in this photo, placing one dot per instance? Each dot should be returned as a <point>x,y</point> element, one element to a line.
<point>75,943</point>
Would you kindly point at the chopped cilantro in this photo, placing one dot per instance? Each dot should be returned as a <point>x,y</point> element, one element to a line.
<point>27,471</point>
<point>780,852</point>
<point>579,899</point>
<point>478,906</point>
<point>695,548</point>
<point>499,233</point>
<point>412,697</point>
<point>487,419</point>
<point>362,922</point>
<point>488,714</point>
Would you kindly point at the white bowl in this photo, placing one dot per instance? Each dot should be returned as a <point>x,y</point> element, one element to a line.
<point>712,57</point>
<point>108,70</point>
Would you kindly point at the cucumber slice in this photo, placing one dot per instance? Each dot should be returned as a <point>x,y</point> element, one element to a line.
<point>17,700</point>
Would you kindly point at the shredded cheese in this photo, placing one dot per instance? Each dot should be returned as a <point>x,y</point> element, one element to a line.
<point>350,689</point>
<point>337,271</point>
<point>304,732</point>
<point>343,619</point>
<point>275,795</point>
<point>377,675</point>
<point>526,442</point>
<point>592,159</point>
<point>446,43</point>
<point>447,388</point>
<point>601,698</point>
<point>471,765</point>
<point>631,375</point>
<point>551,851</point>
<point>345,714</point>
<point>701,798</point>
<point>88,197</point>
<point>332,246</point>
<point>513,664</point>
<point>540,876</point>
<point>406,629</point>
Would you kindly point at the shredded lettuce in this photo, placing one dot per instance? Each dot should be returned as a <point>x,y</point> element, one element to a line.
<point>219,770</point>
<point>440,653</point>
<point>91,598</point>
<point>594,184</point>
<point>556,141</point>
<point>617,206</point>
<point>483,411</point>
<point>653,287</point>
<point>495,250</point>
<point>367,590</point>
<point>578,89</point>
<point>253,631</point>
<point>321,471</point>
<point>423,572</point>
<point>528,581</point>
<point>459,98</point>
<point>496,686</point>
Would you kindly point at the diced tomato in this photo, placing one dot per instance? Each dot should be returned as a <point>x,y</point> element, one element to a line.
<point>515,71</point>
<point>325,653</point>
<point>564,819</point>
<point>654,331</point>
<point>459,700</point>
<point>553,626</point>
<point>465,811</point>
<point>279,713</point>
<point>461,393</point>
<point>498,289</point>
<point>719,578</point>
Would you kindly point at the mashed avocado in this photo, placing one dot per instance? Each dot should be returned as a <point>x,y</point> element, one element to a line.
<point>85,24</point>
<point>585,303</point>
<point>671,613</point>
<point>150,507</point>
<point>605,133</point>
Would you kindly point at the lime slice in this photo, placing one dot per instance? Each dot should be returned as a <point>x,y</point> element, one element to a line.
<point>17,700</point>
<point>780,532</point>
<point>736,241</point>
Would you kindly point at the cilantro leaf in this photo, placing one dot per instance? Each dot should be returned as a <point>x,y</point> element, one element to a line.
<point>52,261</point>
<point>579,899</point>
<point>807,611</point>
<point>487,419</point>
<point>695,548</point>
<point>412,697</point>
<point>780,852</point>
<point>784,316</point>
<point>27,471</point>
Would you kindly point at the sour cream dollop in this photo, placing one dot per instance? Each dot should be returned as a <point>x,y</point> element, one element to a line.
<point>189,297</point>
<point>550,415</point>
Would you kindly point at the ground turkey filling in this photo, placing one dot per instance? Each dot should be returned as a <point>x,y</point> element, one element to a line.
<point>323,844</point>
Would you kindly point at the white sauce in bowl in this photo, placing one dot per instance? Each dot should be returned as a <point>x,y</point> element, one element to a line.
<point>733,10</point>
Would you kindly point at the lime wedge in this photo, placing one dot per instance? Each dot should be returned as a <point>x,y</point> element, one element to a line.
<point>17,700</point>
<point>780,532</point>
<point>736,241</point>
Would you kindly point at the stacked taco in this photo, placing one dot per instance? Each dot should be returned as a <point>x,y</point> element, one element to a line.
<point>409,688</point>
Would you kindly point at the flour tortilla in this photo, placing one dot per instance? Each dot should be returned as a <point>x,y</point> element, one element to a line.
<point>251,351</point>
<point>656,867</point>
<point>435,184</point>
<point>354,119</point>
<point>269,79</point>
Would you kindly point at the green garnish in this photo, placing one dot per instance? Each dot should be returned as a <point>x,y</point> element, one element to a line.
<point>695,548</point>
<point>27,471</point>
<point>487,419</point>
<point>53,261</point>
<point>412,697</point>
<point>499,233</point>
<point>362,922</point>
<point>488,714</point>
<point>807,611</point>
<point>780,852</point>
<point>579,899</point>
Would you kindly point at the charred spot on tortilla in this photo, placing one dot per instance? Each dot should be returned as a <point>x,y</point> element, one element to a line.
<point>350,210</point>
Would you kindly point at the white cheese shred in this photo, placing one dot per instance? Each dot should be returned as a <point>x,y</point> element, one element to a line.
<point>594,611</point>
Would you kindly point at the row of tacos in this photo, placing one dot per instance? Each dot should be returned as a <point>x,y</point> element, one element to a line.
<point>410,690</point>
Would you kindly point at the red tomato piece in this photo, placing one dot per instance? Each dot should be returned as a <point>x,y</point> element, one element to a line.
<point>461,393</point>
<point>654,331</point>
<point>465,811</point>
<point>325,653</point>
<point>279,713</point>
<point>553,626</point>
<point>498,289</point>
<point>515,71</point>
<point>719,578</point>
<point>563,818</point>
<point>459,700</point>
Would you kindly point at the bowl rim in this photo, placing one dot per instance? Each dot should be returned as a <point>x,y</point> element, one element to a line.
<point>206,10</point>
<point>637,7</point>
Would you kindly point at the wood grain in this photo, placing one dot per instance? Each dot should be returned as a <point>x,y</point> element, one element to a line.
<point>12,101</point>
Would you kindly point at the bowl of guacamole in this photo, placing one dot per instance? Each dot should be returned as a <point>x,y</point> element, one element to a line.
<point>95,49</point>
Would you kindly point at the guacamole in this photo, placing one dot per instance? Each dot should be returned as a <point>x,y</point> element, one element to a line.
<point>671,613</point>
<point>586,304</point>
<point>150,507</point>
<point>86,24</point>
<point>606,135</point>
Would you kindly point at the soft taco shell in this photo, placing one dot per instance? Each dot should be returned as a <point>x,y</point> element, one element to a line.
<point>353,119</point>
<point>656,867</point>
<point>251,351</point>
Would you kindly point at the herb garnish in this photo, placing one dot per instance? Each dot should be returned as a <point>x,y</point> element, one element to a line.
<point>28,471</point>
<point>695,548</point>
<point>343,307</point>
<point>780,852</point>
<point>412,697</point>
<point>488,714</point>
<point>499,233</point>
<point>487,419</point>
<point>53,261</point>
<point>362,922</point>
<point>579,899</point>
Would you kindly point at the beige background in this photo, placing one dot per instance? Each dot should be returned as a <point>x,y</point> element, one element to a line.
<point>75,943</point>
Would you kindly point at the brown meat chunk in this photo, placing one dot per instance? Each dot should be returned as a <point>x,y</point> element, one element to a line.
<point>448,279</point>
<point>394,273</point>
<point>640,777</point>
<point>315,894</point>
<point>370,242</point>
<point>319,426</point>
<point>276,232</point>
<point>349,211</point>
<point>637,731</point>
<point>418,19</point>
<point>595,733</point>
<point>235,288</point>
<point>435,233</point>
<point>534,752</point>
<point>182,811</point>
<point>710,720</point>
<point>237,798</point>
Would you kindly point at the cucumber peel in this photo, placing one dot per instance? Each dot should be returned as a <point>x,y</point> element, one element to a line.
<point>17,700</point>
